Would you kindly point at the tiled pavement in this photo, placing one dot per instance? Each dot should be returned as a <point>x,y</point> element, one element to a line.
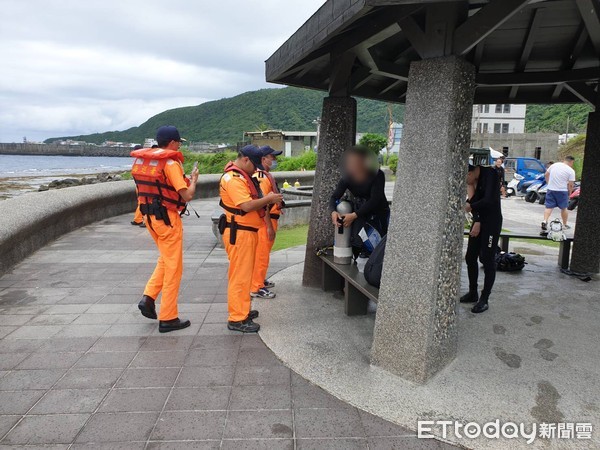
<point>80,367</point>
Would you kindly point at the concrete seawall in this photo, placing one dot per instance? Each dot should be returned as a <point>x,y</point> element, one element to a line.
<point>31,221</point>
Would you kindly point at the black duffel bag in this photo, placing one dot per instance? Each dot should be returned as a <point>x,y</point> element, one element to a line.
<point>509,262</point>
<point>374,265</point>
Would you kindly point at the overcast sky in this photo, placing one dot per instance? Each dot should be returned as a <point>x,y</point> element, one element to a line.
<point>82,66</point>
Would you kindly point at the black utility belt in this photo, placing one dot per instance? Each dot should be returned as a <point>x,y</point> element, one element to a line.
<point>275,216</point>
<point>233,227</point>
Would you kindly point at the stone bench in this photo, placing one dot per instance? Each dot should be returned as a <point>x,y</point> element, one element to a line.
<point>564,254</point>
<point>346,277</point>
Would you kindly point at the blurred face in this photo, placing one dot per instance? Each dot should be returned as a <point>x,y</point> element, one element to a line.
<point>569,162</point>
<point>472,176</point>
<point>499,162</point>
<point>174,145</point>
<point>246,165</point>
<point>356,166</point>
<point>267,162</point>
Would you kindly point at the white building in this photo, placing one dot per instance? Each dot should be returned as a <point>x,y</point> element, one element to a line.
<point>501,118</point>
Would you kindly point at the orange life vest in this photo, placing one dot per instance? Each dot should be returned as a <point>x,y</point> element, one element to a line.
<point>252,184</point>
<point>150,179</point>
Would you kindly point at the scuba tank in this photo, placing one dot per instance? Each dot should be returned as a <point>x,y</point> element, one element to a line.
<point>342,249</point>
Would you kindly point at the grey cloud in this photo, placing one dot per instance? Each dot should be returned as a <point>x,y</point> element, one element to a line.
<point>97,65</point>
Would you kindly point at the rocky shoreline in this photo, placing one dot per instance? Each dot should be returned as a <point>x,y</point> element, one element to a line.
<point>70,182</point>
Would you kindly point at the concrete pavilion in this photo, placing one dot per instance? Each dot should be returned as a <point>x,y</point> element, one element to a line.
<point>438,57</point>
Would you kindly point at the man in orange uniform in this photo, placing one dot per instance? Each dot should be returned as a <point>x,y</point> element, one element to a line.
<point>266,234</point>
<point>244,207</point>
<point>163,191</point>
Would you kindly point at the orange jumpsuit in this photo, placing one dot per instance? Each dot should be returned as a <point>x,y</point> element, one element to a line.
<point>263,249</point>
<point>234,191</point>
<point>138,216</point>
<point>166,277</point>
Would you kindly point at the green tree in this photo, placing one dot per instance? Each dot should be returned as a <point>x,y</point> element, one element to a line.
<point>373,141</point>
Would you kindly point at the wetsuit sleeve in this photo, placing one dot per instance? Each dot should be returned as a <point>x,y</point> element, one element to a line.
<point>490,189</point>
<point>376,198</point>
<point>339,191</point>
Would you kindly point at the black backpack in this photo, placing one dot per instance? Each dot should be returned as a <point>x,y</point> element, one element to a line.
<point>374,265</point>
<point>509,262</point>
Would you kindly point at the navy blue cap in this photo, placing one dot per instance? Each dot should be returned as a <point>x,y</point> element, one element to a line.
<point>168,133</point>
<point>268,150</point>
<point>255,155</point>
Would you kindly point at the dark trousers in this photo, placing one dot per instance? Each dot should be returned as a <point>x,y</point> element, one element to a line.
<point>483,247</point>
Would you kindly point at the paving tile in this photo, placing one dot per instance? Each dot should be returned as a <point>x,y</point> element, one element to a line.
<point>212,357</point>
<point>107,309</point>
<point>97,319</point>
<point>53,319</point>
<point>252,341</point>
<point>154,377</point>
<point>135,400</point>
<point>50,361</point>
<point>407,443</point>
<point>258,444</point>
<point>35,332</point>
<point>196,425</point>
<point>67,309</point>
<point>89,379</point>
<point>72,330</point>
<point>184,445</point>
<point>261,375</point>
<point>232,341</point>
<point>377,427</point>
<point>276,396</point>
<point>308,395</point>
<point>167,343</point>
<point>11,360</point>
<point>257,357</point>
<point>105,360</point>
<point>30,379</point>
<point>118,344</point>
<point>15,319</point>
<point>6,330</point>
<point>18,402</point>
<point>48,429</point>
<point>118,427</point>
<point>199,398</point>
<point>131,329</point>
<point>73,344</point>
<point>70,401</point>
<point>141,445</point>
<point>6,423</point>
<point>205,376</point>
<point>20,345</point>
<point>159,359</point>
<point>332,444</point>
<point>216,329</point>
<point>261,424</point>
<point>312,423</point>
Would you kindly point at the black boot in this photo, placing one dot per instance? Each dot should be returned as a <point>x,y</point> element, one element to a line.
<point>253,314</point>
<point>245,326</point>
<point>165,326</point>
<point>147,307</point>
<point>470,297</point>
<point>482,304</point>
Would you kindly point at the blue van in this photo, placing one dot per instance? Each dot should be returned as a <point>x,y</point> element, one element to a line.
<point>528,168</point>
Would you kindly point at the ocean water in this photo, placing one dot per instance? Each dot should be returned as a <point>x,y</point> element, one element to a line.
<point>43,166</point>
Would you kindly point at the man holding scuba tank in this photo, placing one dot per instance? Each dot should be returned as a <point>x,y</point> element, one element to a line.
<point>244,205</point>
<point>266,234</point>
<point>163,192</point>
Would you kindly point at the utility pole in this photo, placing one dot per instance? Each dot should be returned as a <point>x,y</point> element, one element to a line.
<point>567,135</point>
<point>391,136</point>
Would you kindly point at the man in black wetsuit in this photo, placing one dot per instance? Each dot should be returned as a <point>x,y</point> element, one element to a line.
<point>483,202</point>
<point>366,182</point>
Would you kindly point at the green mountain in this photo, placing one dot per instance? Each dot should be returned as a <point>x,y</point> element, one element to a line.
<point>225,120</point>
<point>295,109</point>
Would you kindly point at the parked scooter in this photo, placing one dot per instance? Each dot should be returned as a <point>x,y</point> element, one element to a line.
<point>574,198</point>
<point>531,194</point>
<point>542,194</point>
<point>512,188</point>
<point>524,186</point>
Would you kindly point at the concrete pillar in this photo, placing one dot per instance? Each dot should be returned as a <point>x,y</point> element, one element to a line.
<point>586,247</point>
<point>337,133</point>
<point>415,326</point>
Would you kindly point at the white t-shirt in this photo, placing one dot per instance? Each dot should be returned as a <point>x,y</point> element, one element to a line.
<point>560,175</point>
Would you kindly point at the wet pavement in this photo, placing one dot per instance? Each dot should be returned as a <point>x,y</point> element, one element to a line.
<point>80,367</point>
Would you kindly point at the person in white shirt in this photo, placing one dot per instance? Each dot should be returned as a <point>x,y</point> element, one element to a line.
<point>561,180</point>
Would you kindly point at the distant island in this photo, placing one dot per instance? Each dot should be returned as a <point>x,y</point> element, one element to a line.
<point>294,109</point>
